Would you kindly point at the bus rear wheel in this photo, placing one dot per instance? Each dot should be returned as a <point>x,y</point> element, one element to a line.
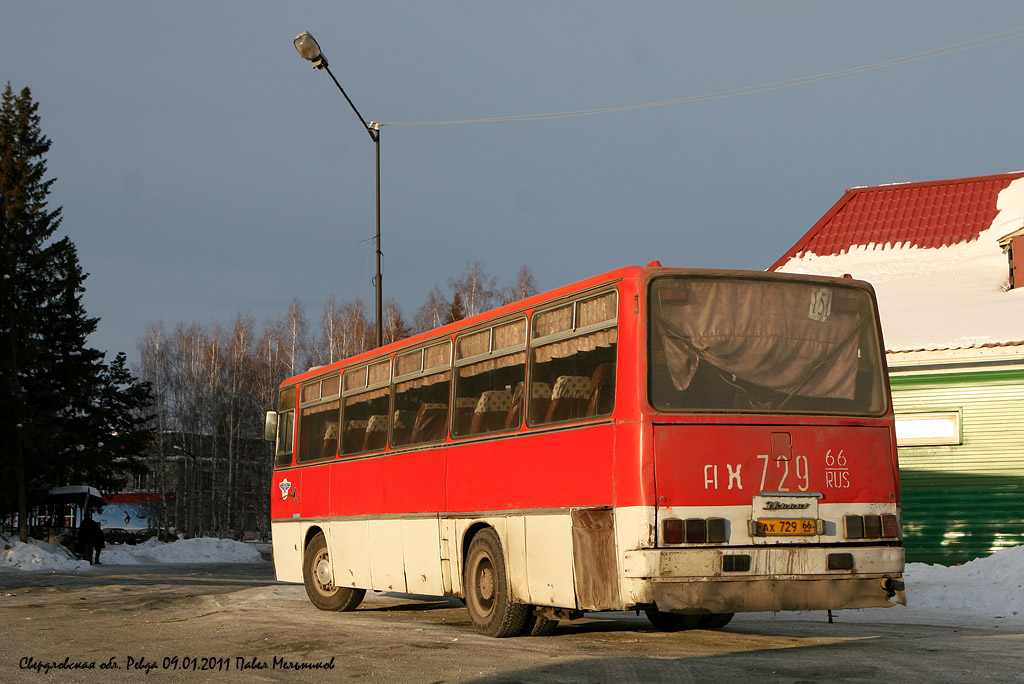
<point>318,577</point>
<point>537,625</point>
<point>672,622</point>
<point>488,594</point>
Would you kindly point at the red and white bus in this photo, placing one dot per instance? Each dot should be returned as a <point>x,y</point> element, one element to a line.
<point>690,443</point>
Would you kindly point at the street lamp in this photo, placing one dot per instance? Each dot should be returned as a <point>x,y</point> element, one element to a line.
<point>307,46</point>
<point>189,528</point>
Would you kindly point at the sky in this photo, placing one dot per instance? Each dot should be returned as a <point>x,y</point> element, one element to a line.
<point>205,170</point>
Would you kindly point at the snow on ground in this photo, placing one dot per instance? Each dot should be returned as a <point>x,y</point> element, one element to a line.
<point>982,590</point>
<point>37,555</point>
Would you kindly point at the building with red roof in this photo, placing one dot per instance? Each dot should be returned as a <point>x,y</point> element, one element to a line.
<point>940,255</point>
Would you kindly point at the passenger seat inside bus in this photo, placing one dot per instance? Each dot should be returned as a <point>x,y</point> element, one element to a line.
<point>329,449</point>
<point>402,425</point>
<point>376,433</point>
<point>569,398</point>
<point>540,401</point>
<point>602,390</point>
<point>464,408</point>
<point>431,422</point>
<point>491,411</point>
<point>355,433</point>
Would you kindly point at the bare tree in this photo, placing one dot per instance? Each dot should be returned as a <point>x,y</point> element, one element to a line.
<point>434,311</point>
<point>211,385</point>
<point>524,285</point>
<point>478,291</point>
<point>395,327</point>
<point>328,347</point>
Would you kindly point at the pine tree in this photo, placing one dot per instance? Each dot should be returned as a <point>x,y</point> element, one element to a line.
<point>456,311</point>
<point>59,403</point>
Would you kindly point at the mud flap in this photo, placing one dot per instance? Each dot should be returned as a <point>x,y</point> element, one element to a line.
<point>594,563</point>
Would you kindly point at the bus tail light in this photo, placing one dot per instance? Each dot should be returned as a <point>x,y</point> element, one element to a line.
<point>693,531</point>
<point>672,531</point>
<point>872,526</point>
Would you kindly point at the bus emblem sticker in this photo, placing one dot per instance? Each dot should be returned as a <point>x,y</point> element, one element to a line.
<point>285,487</point>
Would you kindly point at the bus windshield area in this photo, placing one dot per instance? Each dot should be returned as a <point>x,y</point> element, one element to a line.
<point>763,346</point>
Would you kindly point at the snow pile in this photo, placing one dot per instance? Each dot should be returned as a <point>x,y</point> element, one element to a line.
<point>199,550</point>
<point>37,555</point>
<point>992,586</point>
<point>965,282</point>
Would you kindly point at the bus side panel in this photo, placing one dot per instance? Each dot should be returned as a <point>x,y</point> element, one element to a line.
<point>634,530</point>
<point>557,470</point>
<point>414,482</point>
<point>287,538</point>
<point>350,553</point>
<point>356,487</point>
<point>421,544</point>
<point>312,491</point>
<point>549,560</point>
<point>387,560</point>
<point>514,545</point>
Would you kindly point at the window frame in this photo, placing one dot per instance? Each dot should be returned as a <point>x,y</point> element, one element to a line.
<point>491,353</point>
<point>321,398</point>
<point>283,409</point>
<point>424,371</point>
<point>955,417</point>
<point>363,389</point>
<point>574,330</point>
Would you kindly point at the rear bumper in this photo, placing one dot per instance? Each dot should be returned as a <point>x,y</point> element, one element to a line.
<point>778,578</point>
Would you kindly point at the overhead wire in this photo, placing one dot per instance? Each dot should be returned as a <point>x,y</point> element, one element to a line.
<point>972,44</point>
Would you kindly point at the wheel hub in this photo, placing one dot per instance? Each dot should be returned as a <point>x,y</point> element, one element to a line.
<point>322,570</point>
<point>485,584</point>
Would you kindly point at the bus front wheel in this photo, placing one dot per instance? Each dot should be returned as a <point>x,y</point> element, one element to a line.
<point>318,577</point>
<point>488,594</point>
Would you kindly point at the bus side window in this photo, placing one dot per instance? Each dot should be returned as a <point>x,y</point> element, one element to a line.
<point>285,430</point>
<point>318,420</point>
<point>574,355</point>
<point>365,422</point>
<point>285,427</point>
<point>421,410</point>
<point>484,396</point>
<point>490,365</point>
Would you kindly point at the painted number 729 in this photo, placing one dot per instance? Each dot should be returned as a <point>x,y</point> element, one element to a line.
<point>800,471</point>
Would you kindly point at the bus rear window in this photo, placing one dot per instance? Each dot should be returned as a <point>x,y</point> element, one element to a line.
<point>760,346</point>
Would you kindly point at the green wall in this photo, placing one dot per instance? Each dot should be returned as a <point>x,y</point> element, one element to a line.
<point>964,501</point>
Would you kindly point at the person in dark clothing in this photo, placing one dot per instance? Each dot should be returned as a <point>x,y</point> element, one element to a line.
<point>90,536</point>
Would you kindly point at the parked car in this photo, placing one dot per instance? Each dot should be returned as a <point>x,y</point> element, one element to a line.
<point>117,535</point>
<point>159,534</point>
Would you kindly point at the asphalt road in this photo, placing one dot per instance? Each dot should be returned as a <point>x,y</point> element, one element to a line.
<point>234,623</point>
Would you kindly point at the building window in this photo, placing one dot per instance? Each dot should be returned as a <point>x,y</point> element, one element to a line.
<point>928,429</point>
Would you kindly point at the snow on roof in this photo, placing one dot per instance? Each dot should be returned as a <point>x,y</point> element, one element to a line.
<point>932,253</point>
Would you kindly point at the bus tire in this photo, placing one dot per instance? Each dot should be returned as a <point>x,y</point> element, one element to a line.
<point>318,578</point>
<point>537,625</point>
<point>714,620</point>
<point>488,594</point>
<point>672,622</point>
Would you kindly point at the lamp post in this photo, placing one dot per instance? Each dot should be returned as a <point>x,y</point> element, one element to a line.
<point>310,50</point>
<point>189,528</point>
